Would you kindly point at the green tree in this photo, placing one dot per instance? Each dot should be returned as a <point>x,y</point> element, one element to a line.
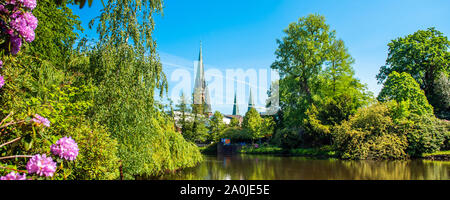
<point>300,56</point>
<point>254,124</point>
<point>442,92</point>
<point>125,66</point>
<point>216,126</point>
<point>424,55</point>
<point>199,131</point>
<point>317,87</point>
<point>184,110</point>
<point>402,87</point>
<point>55,34</point>
<point>234,122</point>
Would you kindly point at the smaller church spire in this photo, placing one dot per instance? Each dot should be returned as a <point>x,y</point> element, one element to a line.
<point>235,106</point>
<point>251,104</point>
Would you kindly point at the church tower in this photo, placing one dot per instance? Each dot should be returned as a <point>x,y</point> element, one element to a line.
<point>201,93</point>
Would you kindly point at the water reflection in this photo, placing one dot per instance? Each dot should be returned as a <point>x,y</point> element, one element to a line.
<point>266,167</point>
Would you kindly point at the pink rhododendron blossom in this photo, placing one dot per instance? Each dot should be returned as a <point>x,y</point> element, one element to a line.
<point>14,176</point>
<point>41,120</point>
<point>41,165</point>
<point>31,4</point>
<point>2,81</point>
<point>65,148</point>
<point>13,2</point>
<point>24,24</point>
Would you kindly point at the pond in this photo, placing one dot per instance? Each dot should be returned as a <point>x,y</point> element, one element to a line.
<point>270,167</point>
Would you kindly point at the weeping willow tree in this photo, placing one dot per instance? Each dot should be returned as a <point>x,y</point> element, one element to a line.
<point>125,67</point>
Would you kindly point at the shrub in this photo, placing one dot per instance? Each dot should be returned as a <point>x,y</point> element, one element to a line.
<point>236,134</point>
<point>371,134</point>
<point>98,153</point>
<point>427,135</point>
<point>287,138</point>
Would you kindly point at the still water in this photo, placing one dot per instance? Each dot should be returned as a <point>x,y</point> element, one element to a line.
<point>269,167</point>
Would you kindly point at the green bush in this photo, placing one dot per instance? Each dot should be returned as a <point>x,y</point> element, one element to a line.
<point>236,134</point>
<point>371,134</point>
<point>427,135</point>
<point>446,145</point>
<point>287,138</point>
<point>97,157</point>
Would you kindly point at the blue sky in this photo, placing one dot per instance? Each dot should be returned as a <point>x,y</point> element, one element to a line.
<point>242,33</point>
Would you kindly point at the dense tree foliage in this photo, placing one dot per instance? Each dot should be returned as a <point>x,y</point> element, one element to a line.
<point>371,134</point>
<point>216,126</point>
<point>424,55</point>
<point>402,87</point>
<point>300,56</point>
<point>317,87</point>
<point>125,66</point>
<point>111,83</point>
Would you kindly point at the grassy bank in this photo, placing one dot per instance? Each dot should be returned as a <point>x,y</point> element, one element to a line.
<point>438,155</point>
<point>325,151</point>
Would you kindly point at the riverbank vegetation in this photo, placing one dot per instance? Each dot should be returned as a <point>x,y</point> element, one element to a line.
<point>100,93</point>
<point>322,152</point>
<point>96,99</point>
<point>331,107</point>
<point>322,104</point>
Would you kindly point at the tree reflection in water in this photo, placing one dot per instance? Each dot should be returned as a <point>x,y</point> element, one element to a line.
<point>268,167</point>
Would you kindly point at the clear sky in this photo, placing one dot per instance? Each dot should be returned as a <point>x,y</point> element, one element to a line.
<point>243,33</point>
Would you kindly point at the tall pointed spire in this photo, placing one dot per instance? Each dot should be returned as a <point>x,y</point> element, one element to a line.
<point>235,106</point>
<point>251,104</point>
<point>201,93</point>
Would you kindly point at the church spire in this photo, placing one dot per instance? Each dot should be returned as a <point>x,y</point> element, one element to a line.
<point>235,106</point>
<point>201,93</point>
<point>251,104</point>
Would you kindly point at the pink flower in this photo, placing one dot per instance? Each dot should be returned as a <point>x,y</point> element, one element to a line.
<point>31,4</point>
<point>65,148</point>
<point>2,81</point>
<point>14,176</point>
<point>24,24</point>
<point>41,120</point>
<point>41,165</point>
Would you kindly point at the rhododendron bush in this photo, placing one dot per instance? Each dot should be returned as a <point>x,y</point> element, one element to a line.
<point>41,113</point>
<point>59,117</point>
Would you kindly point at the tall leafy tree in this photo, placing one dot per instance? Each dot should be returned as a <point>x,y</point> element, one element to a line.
<point>300,56</point>
<point>314,67</point>
<point>424,55</point>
